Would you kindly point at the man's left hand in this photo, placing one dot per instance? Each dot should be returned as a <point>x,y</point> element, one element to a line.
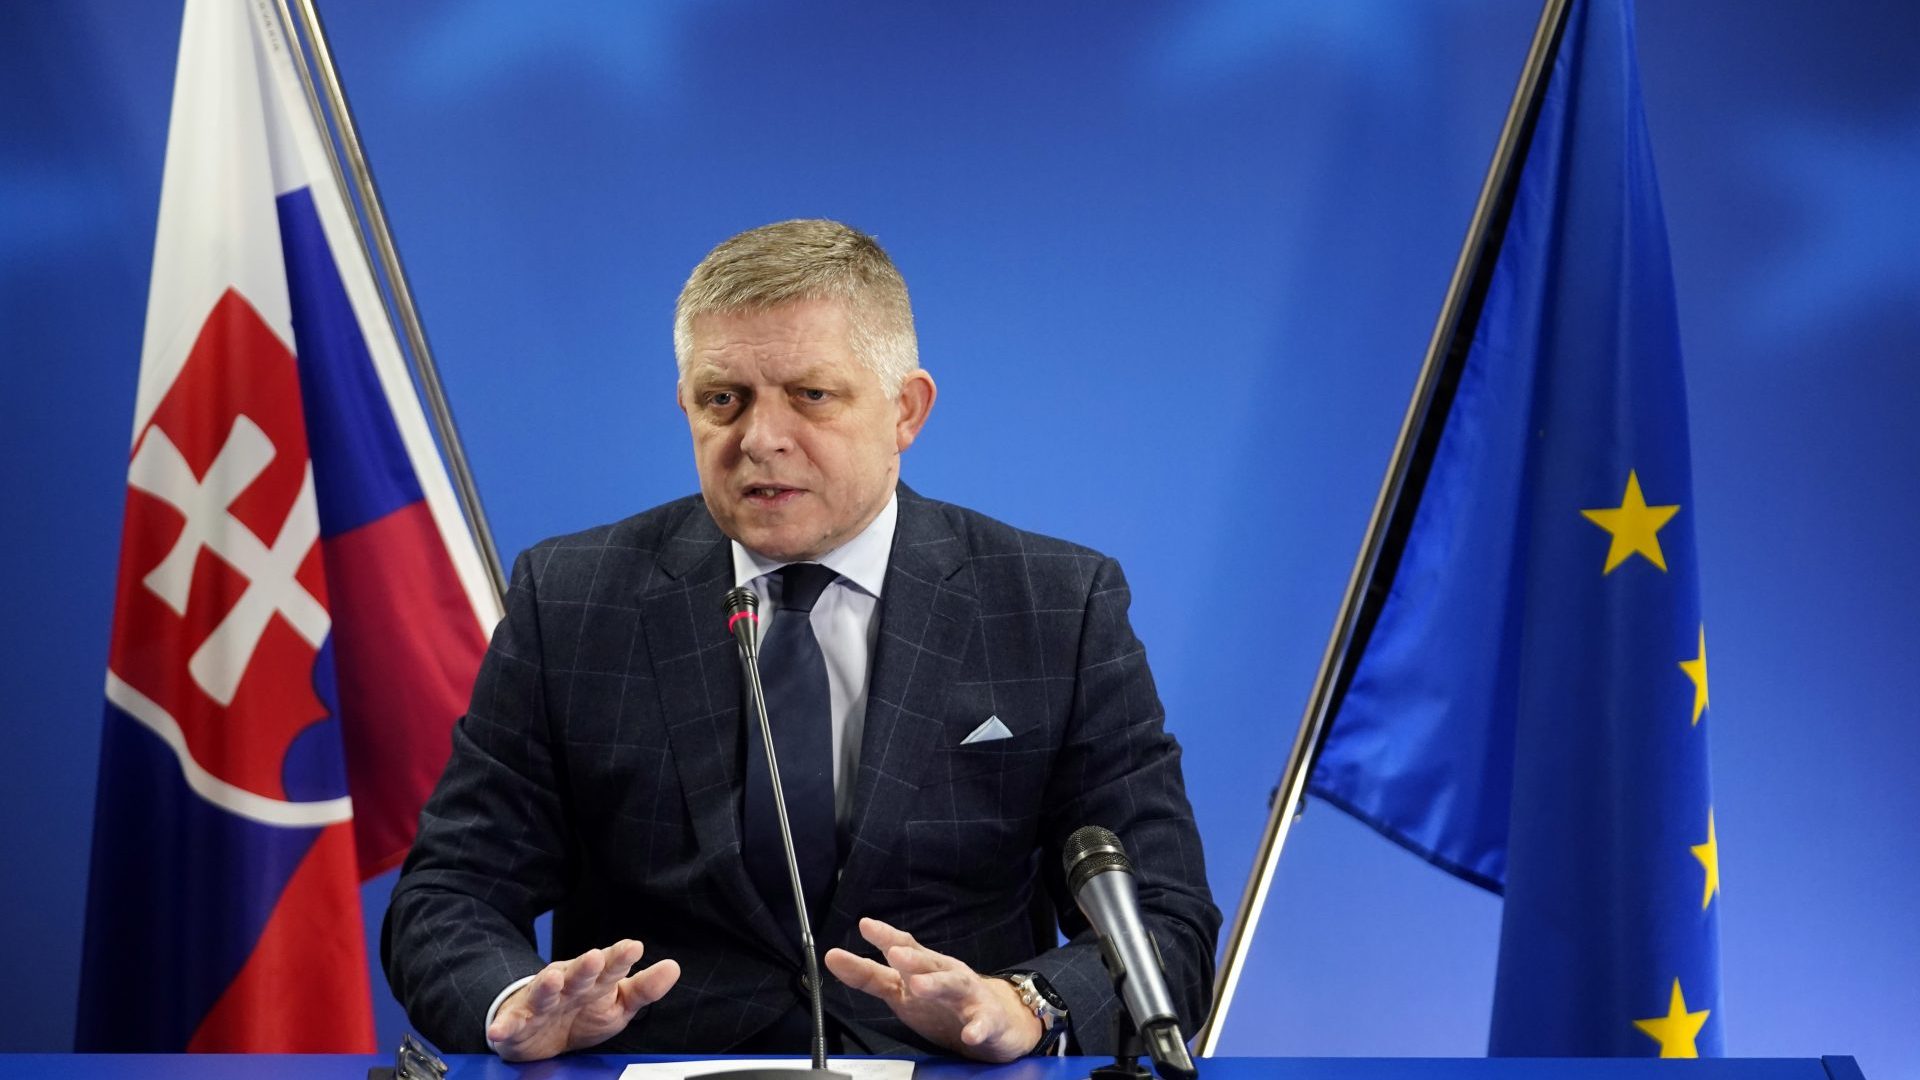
<point>940,997</point>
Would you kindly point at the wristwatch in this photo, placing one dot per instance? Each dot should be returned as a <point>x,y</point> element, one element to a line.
<point>1037,994</point>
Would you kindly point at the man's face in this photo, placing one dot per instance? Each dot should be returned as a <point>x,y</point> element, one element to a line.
<point>797,445</point>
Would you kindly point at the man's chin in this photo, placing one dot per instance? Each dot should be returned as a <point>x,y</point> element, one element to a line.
<point>778,544</point>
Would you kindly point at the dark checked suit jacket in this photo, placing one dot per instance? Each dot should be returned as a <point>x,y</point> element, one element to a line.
<point>598,774</point>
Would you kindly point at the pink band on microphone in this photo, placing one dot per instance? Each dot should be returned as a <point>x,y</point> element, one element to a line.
<point>738,615</point>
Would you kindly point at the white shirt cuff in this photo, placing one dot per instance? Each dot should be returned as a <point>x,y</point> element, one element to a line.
<point>495,1007</point>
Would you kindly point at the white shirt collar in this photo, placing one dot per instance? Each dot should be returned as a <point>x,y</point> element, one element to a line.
<point>862,561</point>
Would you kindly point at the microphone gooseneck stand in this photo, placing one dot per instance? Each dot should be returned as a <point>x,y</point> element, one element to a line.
<point>743,619</point>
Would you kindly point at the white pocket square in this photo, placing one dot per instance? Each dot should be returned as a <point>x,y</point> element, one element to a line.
<point>988,732</point>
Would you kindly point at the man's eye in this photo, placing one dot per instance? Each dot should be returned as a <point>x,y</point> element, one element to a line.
<point>814,395</point>
<point>720,399</point>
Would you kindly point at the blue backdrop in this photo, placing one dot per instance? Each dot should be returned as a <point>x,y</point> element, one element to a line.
<point>1174,267</point>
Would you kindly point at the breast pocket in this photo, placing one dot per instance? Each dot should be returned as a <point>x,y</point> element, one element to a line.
<point>1013,757</point>
<point>975,818</point>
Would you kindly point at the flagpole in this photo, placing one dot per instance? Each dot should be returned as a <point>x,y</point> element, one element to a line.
<point>1398,497</point>
<point>320,123</point>
<point>403,310</point>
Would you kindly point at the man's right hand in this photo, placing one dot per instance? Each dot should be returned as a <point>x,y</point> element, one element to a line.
<point>574,1004</point>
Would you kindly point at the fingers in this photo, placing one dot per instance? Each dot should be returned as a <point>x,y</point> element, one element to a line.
<point>619,959</point>
<point>646,986</point>
<point>882,937</point>
<point>902,952</point>
<point>518,1026</point>
<point>622,955</point>
<point>863,974</point>
<point>583,972</point>
<point>916,959</point>
<point>545,1010</point>
<point>910,972</point>
<point>909,969</point>
<point>953,987</point>
<point>546,987</point>
<point>938,995</point>
<point>563,980</point>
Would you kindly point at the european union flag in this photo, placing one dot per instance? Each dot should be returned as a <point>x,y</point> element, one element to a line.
<point>1530,711</point>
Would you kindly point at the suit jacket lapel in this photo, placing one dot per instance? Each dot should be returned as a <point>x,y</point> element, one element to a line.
<point>697,672</point>
<point>927,612</point>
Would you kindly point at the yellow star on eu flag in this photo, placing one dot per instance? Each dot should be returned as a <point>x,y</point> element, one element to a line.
<point>1709,856</point>
<point>1676,1031</point>
<point>1696,670</point>
<point>1635,526</point>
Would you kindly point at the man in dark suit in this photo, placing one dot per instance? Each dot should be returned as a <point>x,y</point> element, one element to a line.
<point>951,698</point>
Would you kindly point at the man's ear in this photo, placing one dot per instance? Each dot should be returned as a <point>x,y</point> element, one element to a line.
<point>680,396</point>
<point>917,392</point>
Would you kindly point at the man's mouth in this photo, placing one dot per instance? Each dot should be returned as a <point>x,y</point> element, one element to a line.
<point>771,494</point>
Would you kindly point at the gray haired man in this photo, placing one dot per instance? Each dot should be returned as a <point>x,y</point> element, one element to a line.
<point>953,698</point>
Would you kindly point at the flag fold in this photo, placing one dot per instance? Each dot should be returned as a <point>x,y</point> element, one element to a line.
<point>300,609</point>
<point>1530,709</point>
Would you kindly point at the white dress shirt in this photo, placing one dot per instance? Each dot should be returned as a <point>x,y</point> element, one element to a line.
<point>845,622</point>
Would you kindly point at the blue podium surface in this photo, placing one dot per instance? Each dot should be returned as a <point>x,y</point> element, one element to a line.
<point>592,1067</point>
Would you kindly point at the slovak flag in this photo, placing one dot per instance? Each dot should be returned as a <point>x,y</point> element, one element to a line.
<point>301,607</point>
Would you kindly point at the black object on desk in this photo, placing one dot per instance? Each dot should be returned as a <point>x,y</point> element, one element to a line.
<point>413,1061</point>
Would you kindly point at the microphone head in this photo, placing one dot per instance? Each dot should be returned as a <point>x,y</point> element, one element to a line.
<point>741,600</point>
<point>741,606</point>
<point>1092,850</point>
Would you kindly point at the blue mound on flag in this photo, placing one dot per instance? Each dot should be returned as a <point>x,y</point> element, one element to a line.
<point>206,882</point>
<point>1529,709</point>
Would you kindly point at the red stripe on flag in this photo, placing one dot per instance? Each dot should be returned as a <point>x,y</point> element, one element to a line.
<point>406,650</point>
<point>304,988</point>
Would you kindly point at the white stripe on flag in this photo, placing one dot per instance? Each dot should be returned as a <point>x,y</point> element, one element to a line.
<point>217,182</point>
<point>210,787</point>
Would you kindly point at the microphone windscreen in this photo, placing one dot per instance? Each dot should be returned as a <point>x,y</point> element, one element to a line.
<point>741,600</point>
<point>1092,850</point>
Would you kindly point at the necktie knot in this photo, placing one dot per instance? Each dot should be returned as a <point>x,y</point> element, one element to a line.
<point>801,585</point>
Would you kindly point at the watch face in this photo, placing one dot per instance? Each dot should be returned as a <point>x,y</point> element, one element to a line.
<point>1037,992</point>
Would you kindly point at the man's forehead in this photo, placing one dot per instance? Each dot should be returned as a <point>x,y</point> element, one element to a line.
<point>713,369</point>
<point>804,339</point>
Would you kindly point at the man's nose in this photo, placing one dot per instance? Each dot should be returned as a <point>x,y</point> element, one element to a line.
<point>766,429</point>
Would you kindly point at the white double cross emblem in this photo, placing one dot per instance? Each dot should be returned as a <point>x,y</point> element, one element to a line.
<point>160,470</point>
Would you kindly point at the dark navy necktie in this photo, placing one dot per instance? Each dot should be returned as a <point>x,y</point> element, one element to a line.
<point>793,673</point>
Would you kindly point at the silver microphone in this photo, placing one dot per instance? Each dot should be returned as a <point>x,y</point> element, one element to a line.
<point>1100,877</point>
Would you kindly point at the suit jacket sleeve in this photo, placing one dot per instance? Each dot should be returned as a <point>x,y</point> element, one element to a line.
<point>1118,768</point>
<point>490,854</point>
